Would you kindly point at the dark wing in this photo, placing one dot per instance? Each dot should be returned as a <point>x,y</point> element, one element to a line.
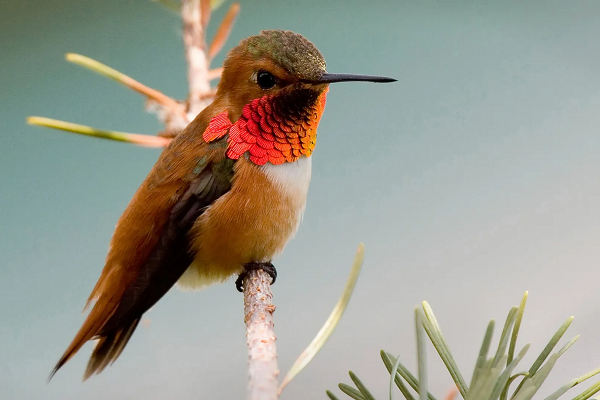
<point>116,314</point>
<point>167,262</point>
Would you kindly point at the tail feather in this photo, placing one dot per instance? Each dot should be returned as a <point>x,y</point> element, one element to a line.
<point>109,348</point>
<point>102,311</point>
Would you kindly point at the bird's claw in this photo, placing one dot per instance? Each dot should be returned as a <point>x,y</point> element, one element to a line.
<point>253,266</point>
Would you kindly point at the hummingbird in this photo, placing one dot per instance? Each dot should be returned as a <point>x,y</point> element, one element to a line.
<point>224,196</point>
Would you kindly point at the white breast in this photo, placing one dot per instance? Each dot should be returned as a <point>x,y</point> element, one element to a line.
<point>293,179</point>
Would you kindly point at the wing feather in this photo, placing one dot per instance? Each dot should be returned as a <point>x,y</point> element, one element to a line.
<point>144,263</point>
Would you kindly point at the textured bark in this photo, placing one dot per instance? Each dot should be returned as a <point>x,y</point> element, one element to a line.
<point>262,353</point>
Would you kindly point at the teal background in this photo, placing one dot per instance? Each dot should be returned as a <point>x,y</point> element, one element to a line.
<point>473,178</point>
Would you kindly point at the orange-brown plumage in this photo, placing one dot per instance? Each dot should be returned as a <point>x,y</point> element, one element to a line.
<point>227,191</point>
<point>137,231</point>
<point>252,222</point>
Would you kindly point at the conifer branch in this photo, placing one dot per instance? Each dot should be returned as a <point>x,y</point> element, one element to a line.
<point>174,114</point>
<point>262,353</point>
<point>492,376</point>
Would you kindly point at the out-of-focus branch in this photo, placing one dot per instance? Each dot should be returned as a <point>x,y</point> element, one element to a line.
<point>215,73</point>
<point>140,140</point>
<point>223,31</point>
<point>175,115</point>
<point>165,101</point>
<point>262,352</point>
<point>194,41</point>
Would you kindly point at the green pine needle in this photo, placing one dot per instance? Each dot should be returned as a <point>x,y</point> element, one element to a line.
<point>350,391</point>
<point>331,395</point>
<point>515,332</point>
<point>550,346</point>
<point>544,354</point>
<point>566,346</point>
<point>437,339</point>
<point>492,377</point>
<point>421,355</point>
<point>403,373</point>
<point>483,351</point>
<point>510,319</point>
<point>134,138</point>
<point>360,386</point>
<point>592,390</point>
<point>334,318</point>
<point>569,385</point>
<point>393,377</point>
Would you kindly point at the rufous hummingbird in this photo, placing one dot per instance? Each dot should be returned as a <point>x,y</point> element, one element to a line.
<point>227,193</point>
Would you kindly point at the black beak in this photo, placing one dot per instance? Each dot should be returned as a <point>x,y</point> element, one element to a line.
<point>332,78</point>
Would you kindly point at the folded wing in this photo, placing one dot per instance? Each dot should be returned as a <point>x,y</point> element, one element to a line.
<point>150,249</point>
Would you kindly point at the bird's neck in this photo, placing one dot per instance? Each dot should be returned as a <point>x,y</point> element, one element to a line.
<point>271,129</point>
<point>291,178</point>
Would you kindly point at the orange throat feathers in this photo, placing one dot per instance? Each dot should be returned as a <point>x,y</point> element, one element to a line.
<point>272,128</point>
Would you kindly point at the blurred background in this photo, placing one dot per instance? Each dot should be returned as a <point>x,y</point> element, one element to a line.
<point>473,178</point>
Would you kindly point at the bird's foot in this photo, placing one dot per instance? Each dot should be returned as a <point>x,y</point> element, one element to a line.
<point>253,266</point>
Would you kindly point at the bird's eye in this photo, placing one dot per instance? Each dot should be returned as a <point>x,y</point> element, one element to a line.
<point>265,79</point>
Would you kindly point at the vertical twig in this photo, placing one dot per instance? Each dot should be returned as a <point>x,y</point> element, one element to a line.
<point>194,41</point>
<point>262,353</point>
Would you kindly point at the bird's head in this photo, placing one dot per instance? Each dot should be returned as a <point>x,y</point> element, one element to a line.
<point>278,82</point>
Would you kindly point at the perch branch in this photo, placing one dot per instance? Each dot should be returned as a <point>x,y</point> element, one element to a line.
<point>262,353</point>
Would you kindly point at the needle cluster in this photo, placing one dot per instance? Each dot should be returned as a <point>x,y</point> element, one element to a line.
<point>493,376</point>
